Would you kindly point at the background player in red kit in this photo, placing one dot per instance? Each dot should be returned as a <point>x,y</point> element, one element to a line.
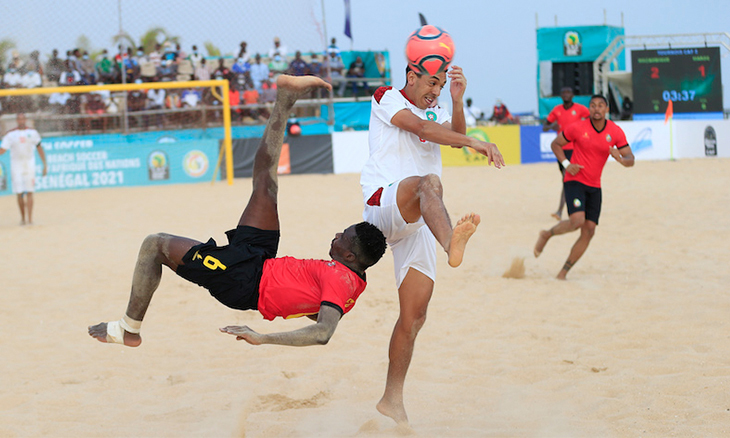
<point>593,141</point>
<point>560,118</point>
<point>245,273</point>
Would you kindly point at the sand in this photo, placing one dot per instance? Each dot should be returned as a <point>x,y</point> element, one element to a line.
<point>635,343</point>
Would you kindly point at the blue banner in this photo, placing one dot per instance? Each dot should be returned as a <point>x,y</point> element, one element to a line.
<point>80,163</point>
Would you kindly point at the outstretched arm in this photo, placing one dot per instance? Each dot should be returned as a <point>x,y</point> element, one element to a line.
<point>315,334</point>
<point>434,132</point>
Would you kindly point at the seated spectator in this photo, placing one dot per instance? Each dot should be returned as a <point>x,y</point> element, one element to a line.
<point>240,71</point>
<point>71,76</point>
<point>332,48</point>
<point>34,64</point>
<point>15,62</point>
<point>259,72</point>
<point>155,56</point>
<point>243,56</point>
<point>315,66</point>
<point>250,97</point>
<point>298,67</point>
<point>155,101</point>
<point>222,72</point>
<point>105,69</point>
<point>234,99</point>
<point>357,70</point>
<point>278,66</point>
<point>12,78</point>
<point>137,99</point>
<point>30,78</point>
<point>191,97</point>
<point>268,93</point>
<point>201,71</point>
<point>501,114</point>
<point>141,57</point>
<point>57,102</point>
<point>195,57</point>
<point>95,108</point>
<point>88,74</point>
<point>54,67</point>
<point>180,54</point>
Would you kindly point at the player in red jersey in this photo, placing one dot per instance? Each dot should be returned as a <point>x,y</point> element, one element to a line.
<point>593,141</point>
<point>245,273</point>
<point>559,118</point>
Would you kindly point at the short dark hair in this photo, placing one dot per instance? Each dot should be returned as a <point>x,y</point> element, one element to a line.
<point>599,96</point>
<point>369,244</point>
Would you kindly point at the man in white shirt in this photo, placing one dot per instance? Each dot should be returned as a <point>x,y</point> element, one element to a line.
<point>278,49</point>
<point>22,141</point>
<point>401,187</point>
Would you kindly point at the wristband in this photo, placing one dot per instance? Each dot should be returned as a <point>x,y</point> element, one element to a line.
<point>565,163</point>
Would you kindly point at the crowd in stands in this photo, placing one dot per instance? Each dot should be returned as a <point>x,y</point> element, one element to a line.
<point>252,78</point>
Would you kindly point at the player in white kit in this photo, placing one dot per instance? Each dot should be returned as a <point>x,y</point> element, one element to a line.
<point>22,143</point>
<point>401,184</point>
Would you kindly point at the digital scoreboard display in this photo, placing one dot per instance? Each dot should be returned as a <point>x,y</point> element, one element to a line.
<point>689,77</point>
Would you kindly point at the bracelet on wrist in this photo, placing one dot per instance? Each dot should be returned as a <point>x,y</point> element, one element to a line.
<point>565,163</point>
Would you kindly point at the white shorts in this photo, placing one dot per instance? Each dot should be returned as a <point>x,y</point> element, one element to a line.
<point>23,178</point>
<point>413,245</point>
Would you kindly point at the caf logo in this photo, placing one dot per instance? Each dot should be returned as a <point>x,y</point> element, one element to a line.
<point>158,166</point>
<point>571,44</point>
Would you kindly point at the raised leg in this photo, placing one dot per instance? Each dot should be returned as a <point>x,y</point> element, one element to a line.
<point>414,294</point>
<point>579,247</point>
<point>261,211</point>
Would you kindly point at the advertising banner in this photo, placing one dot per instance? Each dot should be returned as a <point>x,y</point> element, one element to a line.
<point>507,139</point>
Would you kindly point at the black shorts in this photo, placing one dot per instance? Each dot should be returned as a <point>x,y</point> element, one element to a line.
<point>580,197</point>
<point>232,273</point>
<point>568,155</point>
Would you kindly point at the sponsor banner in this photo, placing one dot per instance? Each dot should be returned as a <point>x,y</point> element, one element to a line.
<point>350,151</point>
<point>300,154</point>
<point>535,144</point>
<point>648,140</point>
<point>701,138</point>
<point>82,164</point>
<point>507,139</point>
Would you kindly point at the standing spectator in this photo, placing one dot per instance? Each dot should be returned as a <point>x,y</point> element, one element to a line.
<point>54,67</point>
<point>21,142</point>
<point>243,56</point>
<point>336,68</point>
<point>278,49</point>
<point>472,114</point>
<point>201,71</point>
<point>195,57</point>
<point>88,74</point>
<point>356,71</point>
<point>332,48</point>
<point>298,67</point>
<point>259,72</point>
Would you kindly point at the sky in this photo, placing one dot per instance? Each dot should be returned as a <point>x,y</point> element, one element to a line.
<point>495,41</point>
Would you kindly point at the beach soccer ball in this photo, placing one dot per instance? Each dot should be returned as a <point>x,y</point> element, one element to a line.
<point>429,50</point>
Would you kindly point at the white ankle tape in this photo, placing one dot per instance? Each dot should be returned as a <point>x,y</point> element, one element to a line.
<point>130,325</point>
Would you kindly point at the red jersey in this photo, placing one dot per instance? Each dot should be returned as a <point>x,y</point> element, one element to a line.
<point>291,287</point>
<point>591,149</point>
<point>566,117</point>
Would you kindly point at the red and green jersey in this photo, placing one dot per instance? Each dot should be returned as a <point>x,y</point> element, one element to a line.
<point>291,287</point>
<point>566,117</point>
<point>591,149</point>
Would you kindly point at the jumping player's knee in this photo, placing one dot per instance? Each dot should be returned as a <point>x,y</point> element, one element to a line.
<point>430,183</point>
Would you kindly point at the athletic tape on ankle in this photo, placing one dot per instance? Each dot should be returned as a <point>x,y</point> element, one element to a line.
<point>130,325</point>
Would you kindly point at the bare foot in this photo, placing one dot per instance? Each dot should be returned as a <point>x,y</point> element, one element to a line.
<point>462,232</point>
<point>395,411</point>
<point>300,85</point>
<point>556,216</point>
<point>562,274</point>
<point>541,241</point>
<point>100,334</point>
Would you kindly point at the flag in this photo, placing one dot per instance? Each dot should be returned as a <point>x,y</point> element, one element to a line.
<point>670,112</point>
<point>348,30</point>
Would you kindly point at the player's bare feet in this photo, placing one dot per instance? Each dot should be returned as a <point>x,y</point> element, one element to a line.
<point>556,216</point>
<point>300,85</point>
<point>541,241</point>
<point>99,332</point>
<point>396,411</point>
<point>461,234</point>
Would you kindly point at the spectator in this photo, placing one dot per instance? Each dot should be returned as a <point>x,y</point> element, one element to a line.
<point>105,69</point>
<point>71,76</point>
<point>241,71</point>
<point>88,74</point>
<point>155,57</point>
<point>15,61</point>
<point>268,92</point>
<point>332,48</point>
<point>201,71</point>
<point>627,109</point>
<point>191,97</point>
<point>30,78</point>
<point>336,68</point>
<point>298,67</point>
<point>277,66</point>
<point>34,64</point>
<point>195,57</point>
<point>501,114</point>
<point>315,66</point>
<point>137,99</point>
<point>76,58</point>
<point>357,71</point>
<point>234,99</point>
<point>13,78</point>
<point>222,71</point>
<point>259,73</point>
<point>54,67</point>
<point>472,114</point>
<point>141,57</point>
<point>278,49</point>
<point>250,97</point>
<point>155,101</point>
<point>180,54</point>
<point>243,56</point>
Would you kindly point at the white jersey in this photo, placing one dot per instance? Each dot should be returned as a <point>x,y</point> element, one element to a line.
<point>22,144</point>
<point>394,153</point>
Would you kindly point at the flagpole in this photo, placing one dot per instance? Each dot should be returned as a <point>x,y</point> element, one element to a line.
<point>671,139</point>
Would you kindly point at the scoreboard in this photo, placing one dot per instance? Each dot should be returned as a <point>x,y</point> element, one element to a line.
<point>689,77</point>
